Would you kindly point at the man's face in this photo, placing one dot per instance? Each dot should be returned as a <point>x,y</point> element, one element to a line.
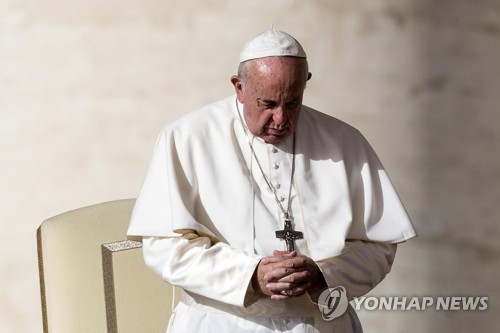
<point>271,92</point>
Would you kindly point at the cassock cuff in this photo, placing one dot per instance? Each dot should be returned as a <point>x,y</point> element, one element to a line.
<point>251,295</point>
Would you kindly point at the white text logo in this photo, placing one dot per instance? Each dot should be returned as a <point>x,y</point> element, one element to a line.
<point>446,303</point>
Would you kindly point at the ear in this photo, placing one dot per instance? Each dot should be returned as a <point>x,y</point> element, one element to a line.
<point>238,87</point>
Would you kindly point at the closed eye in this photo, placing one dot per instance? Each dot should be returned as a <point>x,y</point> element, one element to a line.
<point>292,104</point>
<point>266,104</point>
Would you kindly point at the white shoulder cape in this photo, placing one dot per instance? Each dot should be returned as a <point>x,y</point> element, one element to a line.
<point>199,179</point>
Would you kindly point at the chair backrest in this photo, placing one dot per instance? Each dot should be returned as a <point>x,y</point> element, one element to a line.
<point>92,279</point>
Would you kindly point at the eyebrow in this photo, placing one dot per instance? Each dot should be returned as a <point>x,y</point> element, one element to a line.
<point>269,102</point>
<point>264,101</point>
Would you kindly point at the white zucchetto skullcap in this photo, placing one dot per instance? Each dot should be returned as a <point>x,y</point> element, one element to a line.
<point>272,43</point>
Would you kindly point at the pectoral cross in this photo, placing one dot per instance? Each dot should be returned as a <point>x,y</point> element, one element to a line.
<point>289,235</point>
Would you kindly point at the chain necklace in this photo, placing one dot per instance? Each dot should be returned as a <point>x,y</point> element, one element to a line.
<point>288,234</point>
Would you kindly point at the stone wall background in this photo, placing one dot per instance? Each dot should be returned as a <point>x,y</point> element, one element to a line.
<point>85,87</point>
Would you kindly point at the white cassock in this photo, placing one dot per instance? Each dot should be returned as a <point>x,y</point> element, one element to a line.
<point>207,217</point>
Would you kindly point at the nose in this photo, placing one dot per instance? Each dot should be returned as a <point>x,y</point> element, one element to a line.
<point>279,116</point>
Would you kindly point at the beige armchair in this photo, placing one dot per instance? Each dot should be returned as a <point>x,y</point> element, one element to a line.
<point>93,279</point>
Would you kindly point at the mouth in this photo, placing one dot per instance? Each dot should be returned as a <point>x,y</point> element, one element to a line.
<point>276,132</point>
<point>273,135</point>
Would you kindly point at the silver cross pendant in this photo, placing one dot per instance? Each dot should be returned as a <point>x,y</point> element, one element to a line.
<point>289,235</point>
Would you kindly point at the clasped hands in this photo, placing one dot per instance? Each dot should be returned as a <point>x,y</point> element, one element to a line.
<point>287,274</point>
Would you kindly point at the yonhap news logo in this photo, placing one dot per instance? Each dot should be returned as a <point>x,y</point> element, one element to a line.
<point>333,303</point>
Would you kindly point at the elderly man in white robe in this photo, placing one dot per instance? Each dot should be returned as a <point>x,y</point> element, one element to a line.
<point>256,204</point>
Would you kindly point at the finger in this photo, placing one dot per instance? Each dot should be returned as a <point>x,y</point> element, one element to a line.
<point>284,253</point>
<point>294,262</point>
<point>279,270</point>
<point>299,290</point>
<point>292,292</point>
<point>279,257</point>
<point>279,297</point>
<point>298,277</point>
<point>297,293</point>
<point>279,273</point>
<point>278,287</point>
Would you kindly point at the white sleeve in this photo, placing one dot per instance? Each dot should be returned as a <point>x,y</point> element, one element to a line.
<point>215,271</point>
<point>360,267</point>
